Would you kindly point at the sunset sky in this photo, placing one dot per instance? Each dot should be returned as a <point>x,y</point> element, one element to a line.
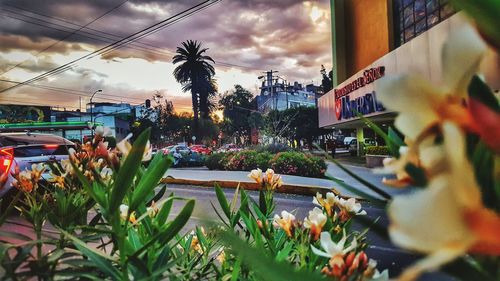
<point>244,37</point>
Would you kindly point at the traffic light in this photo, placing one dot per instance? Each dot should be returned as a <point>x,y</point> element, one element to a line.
<point>148,103</point>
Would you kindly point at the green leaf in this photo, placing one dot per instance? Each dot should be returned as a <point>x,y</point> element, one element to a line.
<point>178,223</point>
<point>265,267</point>
<point>101,260</point>
<point>464,269</point>
<point>150,180</point>
<point>162,216</point>
<point>484,166</point>
<point>125,177</point>
<point>165,235</point>
<point>157,197</point>
<point>392,143</point>
<point>371,186</point>
<point>485,14</point>
<point>221,197</point>
<point>236,269</point>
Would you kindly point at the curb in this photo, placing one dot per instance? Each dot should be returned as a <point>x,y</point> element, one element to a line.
<point>285,188</point>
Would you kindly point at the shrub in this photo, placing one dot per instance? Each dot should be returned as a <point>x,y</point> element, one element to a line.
<point>297,163</point>
<point>248,160</point>
<point>242,161</point>
<point>214,161</point>
<point>377,150</point>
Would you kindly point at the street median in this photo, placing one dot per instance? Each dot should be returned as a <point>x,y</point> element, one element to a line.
<point>285,188</point>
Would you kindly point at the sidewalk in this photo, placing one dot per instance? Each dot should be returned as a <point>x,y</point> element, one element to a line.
<point>292,184</point>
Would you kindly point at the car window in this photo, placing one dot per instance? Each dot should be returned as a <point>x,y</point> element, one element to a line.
<point>41,150</point>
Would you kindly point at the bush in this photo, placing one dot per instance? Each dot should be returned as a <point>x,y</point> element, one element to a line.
<point>215,161</point>
<point>248,160</point>
<point>297,163</point>
<point>377,150</point>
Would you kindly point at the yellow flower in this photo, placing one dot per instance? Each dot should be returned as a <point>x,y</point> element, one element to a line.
<point>272,180</point>
<point>447,219</point>
<point>286,222</point>
<point>58,180</point>
<point>327,203</point>
<point>315,222</point>
<point>256,175</point>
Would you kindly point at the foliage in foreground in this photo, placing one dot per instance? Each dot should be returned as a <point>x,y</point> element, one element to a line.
<point>112,221</point>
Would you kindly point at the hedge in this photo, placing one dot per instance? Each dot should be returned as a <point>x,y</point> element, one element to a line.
<point>377,150</point>
<point>287,163</point>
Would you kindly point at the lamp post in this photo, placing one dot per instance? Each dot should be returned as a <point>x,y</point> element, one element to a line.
<point>92,111</point>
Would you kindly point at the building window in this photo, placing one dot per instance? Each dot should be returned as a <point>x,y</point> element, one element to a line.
<point>412,17</point>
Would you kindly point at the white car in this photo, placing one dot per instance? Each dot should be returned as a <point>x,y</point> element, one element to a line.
<point>347,141</point>
<point>22,150</point>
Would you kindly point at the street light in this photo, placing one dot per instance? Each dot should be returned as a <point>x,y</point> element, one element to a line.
<point>92,111</point>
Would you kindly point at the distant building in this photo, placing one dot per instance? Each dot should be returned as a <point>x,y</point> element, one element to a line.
<point>280,95</point>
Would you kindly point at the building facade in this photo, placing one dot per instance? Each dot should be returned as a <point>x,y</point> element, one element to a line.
<point>280,95</point>
<point>388,38</point>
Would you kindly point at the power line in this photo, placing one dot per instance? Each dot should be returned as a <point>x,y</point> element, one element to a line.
<point>74,92</point>
<point>144,46</point>
<point>71,34</point>
<point>17,102</point>
<point>133,37</point>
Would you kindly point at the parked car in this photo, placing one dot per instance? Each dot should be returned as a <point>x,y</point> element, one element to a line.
<point>347,141</point>
<point>21,150</point>
<point>180,148</point>
<point>200,148</point>
<point>229,148</point>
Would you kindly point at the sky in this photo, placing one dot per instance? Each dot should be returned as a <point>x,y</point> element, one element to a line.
<point>244,37</point>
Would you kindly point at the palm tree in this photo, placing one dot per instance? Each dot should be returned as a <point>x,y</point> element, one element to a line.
<point>207,92</point>
<point>193,73</point>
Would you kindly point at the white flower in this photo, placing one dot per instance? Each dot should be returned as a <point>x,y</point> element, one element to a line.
<point>447,219</point>
<point>332,249</point>
<point>124,147</point>
<point>327,203</point>
<point>351,206</point>
<point>286,222</point>
<point>123,211</point>
<point>315,221</point>
<point>106,173</point>
<point>256,175</point>
<point>421,104</point>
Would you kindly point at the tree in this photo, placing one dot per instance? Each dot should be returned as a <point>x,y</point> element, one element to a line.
<point>240,112</point>
<point>195,72</point>
<point>327,81</point>
<point>294,124</point>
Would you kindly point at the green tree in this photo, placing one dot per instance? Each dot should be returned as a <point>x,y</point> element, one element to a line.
<point>240,112</point>
<point>327,80</point>
<point>193,73</point>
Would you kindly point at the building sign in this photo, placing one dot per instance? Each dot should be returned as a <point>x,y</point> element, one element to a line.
<point>346,108</point>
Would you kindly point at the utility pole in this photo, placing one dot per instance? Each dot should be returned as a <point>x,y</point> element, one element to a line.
<point>270,84</point>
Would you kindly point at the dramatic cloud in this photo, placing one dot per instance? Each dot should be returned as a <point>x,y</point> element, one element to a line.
<point>244,37</point>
